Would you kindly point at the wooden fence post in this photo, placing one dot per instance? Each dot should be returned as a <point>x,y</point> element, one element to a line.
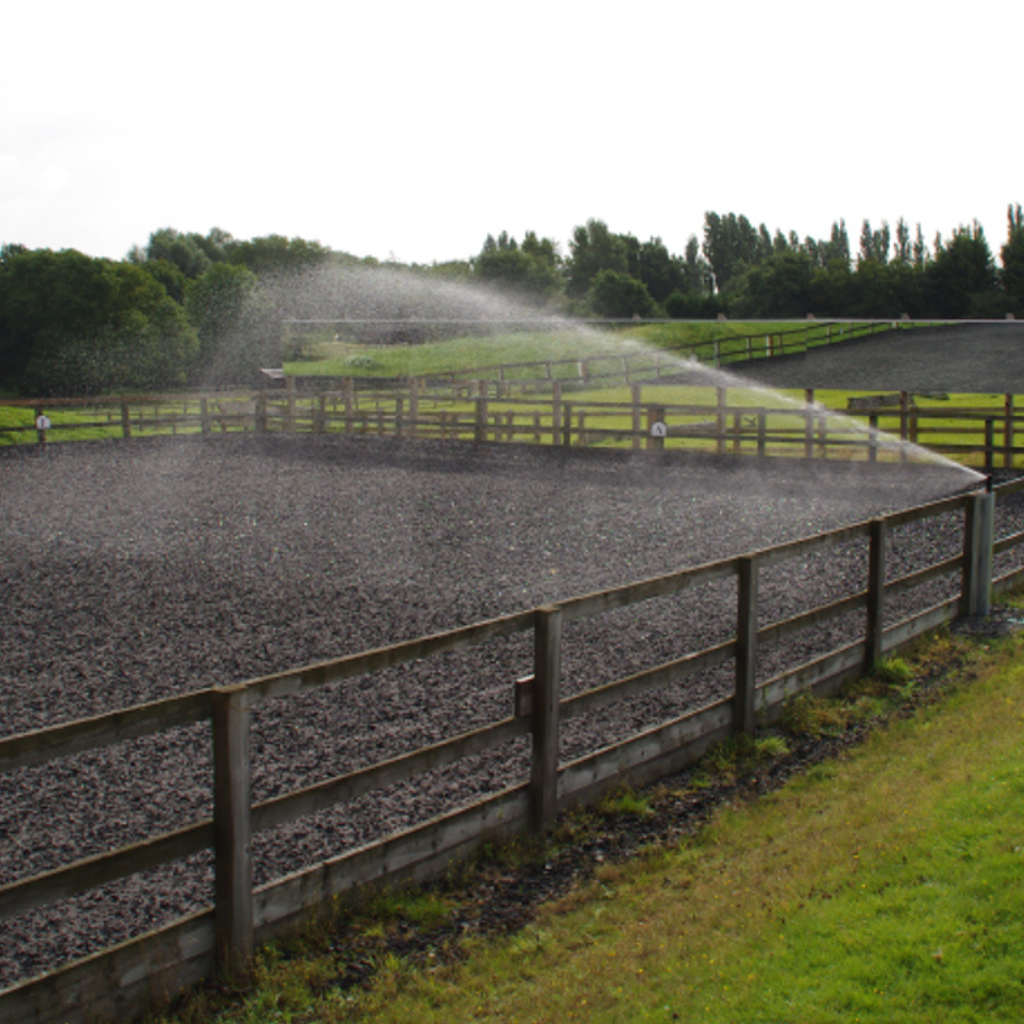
<point>655,416</point>
<point>41,420</point>
<point>290,389</point>
<point>414,405</point>
<point>976,587</point>
<point>480,424</point>
<point>126,422</point>
<point>547,673</point>
<point>746,652</point>
<point>320,415</point>
<point>990,443</point>
<point>261,412</point>
<point>556,408</point>
<point>232,824</point>
<point>204,416</point>
<point>637,422</point>
<point>873,633</point>
<point>349,389</point>
<point>567,425</point>
<point>1008,433</point>
<point>720,418</point>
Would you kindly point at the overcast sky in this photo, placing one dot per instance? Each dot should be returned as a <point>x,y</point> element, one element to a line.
<point>413,129</point>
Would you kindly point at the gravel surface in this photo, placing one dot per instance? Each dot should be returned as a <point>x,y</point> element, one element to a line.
<point>968,358</point>
<point>138,570</point>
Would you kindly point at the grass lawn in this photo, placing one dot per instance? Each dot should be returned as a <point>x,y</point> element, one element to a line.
<point>887,886</point>
<point>572,342</point>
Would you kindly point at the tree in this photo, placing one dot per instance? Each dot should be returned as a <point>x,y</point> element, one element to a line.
<point>697,275</point>
<point>545,249</point>
<point>275,255</point>
<point>169,276</point>
<point>776,287</point>
<point>651,263</point>
<point>921,254</point>
<point>593,248</point>
<point>71,324</point>
<point>730,245</point>
<point>903,247</point>
<point>1012,258</point>
<point>186,252</point>
<point>237,332</point>
<point>960,281</point>
<point>874,245</point>
<point>831,289</point>
<point>691,305</point>
<point>619,295</point>
<point>870,292</point>
<point>528,273</point>
<point>838,247</point>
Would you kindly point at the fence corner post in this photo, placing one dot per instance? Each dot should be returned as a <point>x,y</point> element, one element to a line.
<point>979,530</point>
<point>743,712</point>
<point>874,629</point>
<point>232,825</point>
<point>547,671</point>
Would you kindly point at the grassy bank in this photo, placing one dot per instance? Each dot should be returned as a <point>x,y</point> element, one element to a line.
<point>569,342</point>
<point>882,886</point>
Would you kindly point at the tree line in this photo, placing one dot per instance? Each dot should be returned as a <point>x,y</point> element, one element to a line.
<point>190,308</point>
<point>746,272</point>
<point>186,309</point>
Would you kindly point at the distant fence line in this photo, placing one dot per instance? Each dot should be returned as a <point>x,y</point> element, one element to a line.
<point>120,980</point>
<point>654,364</point>
<point>771,339</point>
<point>725,420</point>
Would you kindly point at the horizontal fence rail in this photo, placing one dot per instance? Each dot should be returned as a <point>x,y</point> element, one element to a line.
<point>223,937</point>
<point>725,423</point>
<point>494,407</point>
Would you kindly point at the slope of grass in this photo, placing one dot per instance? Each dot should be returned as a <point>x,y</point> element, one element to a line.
<point>887,889</point>
<point>459,355</point>
<point>885,886</point>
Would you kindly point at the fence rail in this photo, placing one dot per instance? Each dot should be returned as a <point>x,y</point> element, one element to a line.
<point>719,419</point>
<point>118,981</point>
<point>619,367</point>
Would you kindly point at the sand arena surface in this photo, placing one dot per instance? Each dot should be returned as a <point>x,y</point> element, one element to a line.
<point>972,358</point>
<point>138,570</point>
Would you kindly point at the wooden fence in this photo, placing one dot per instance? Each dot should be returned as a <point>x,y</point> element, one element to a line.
<point>653,365</point>
<point>115,982</point>
<point>720,419</point>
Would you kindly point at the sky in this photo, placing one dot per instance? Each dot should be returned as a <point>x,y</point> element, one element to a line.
<point>412,130</point>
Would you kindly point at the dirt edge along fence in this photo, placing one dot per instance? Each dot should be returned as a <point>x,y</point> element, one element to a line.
<point>720,419</point>
<point>123,979</point>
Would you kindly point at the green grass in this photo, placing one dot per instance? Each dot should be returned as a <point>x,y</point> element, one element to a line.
<point>460,355</point>
<point>884,887</point>
<point>456,355</point>
<point>101,420</point>
<point>603,349</point>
